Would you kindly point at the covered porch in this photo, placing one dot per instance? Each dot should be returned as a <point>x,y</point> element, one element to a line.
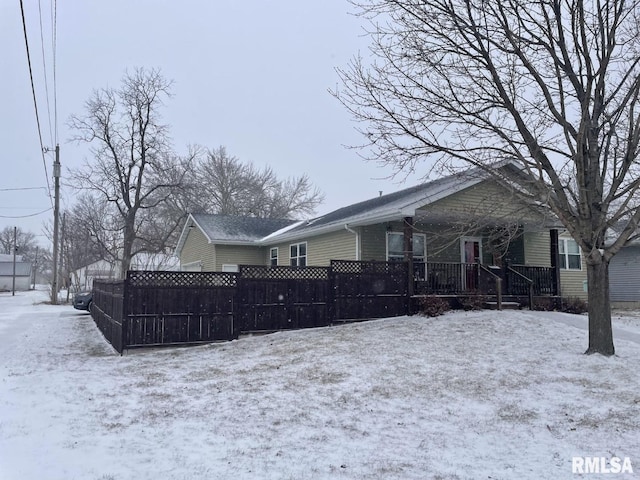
<point>510,263</point>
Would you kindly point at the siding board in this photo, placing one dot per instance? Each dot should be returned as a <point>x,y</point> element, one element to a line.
<point>624,275</point>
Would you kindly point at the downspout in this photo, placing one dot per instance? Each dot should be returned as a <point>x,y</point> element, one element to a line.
<point>346,227</point>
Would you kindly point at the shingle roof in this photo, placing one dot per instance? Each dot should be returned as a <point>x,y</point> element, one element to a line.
<point>229,228</point>
<point>391,206</point>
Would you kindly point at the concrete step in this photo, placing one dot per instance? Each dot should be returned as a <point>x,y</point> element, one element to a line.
<point>505,305</point>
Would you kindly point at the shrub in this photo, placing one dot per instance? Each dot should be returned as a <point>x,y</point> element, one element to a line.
<point>473,302</point>
<point>432,306</point>
<point>544,304</point>
<point>573,305</point>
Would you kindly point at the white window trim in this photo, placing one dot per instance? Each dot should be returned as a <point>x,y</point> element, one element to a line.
<point>306,254</point>
<point>271,257</point>
<point>566,254</point>
<point>470,239</point>
<point>424,236</point>
<point>230,267</point>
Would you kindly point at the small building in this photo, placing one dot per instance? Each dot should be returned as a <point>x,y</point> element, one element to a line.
<point>23,274</point>
<point>82,278</point>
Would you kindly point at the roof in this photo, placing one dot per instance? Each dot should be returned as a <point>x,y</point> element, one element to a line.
<point>231,229</point>
<point>393,206</point>
<point>8,257</point>
<point>23,269</point>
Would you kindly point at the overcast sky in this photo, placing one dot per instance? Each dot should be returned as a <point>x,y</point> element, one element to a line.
<point>252,76</point>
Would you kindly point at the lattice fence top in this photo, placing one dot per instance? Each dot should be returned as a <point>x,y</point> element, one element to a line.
<point>355,267</point>
<point>284,272</point>
<point>109,286</point>
<point>139,278</point>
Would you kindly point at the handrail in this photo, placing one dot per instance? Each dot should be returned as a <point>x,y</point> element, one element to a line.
<point>520,275</point>
<point>484,268</point>
<point>498,280</point>
<point>529,280</point>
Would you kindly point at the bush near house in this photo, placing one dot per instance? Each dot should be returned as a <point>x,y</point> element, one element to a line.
<point>432,306</point>
<point>573,305</point>
<point>477,301</point>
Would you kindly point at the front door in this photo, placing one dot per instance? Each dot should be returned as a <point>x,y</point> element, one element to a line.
<point>471,254</point>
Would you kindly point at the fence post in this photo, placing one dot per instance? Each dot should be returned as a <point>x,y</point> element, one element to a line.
<point>124,321</point>
<point>499,292</point>
<point>530,295</point>
<point>331,297</point>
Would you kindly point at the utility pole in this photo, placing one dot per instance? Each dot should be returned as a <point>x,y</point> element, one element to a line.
<point>35,269</point>
<point>15,248</point>
<point>56,219</point>
<point>61,264</point>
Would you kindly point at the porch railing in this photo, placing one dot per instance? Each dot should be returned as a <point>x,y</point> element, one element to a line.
<point>446,278</point>
<point>449,278</point>
<point>517,278</point>
<point>543,279</point>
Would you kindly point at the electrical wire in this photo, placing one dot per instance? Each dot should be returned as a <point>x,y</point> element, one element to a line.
<point>44,69</point>
<point>19,189</point>
<point>35,102</point>
<point>27,216</point>
<point>55,87</point>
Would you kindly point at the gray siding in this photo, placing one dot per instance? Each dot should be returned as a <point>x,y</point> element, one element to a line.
<point>485,202</point>
<point>537,249</point>
<point>624,275</point>
<point>340,245</point>
<point>197,248</point>
<point>239,255</point>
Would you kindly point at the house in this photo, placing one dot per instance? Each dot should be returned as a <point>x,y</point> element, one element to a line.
<point>82,278</point>
<point>23,273</point>
<point>624,277</point>
<point>458,226</point>
<point>218,243</point>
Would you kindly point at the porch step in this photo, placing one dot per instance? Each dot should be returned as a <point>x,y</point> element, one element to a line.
<point>505,305</point>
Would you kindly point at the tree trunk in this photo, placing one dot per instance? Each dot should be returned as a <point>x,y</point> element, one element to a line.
<point>600,332</point>
<point>127,247</point>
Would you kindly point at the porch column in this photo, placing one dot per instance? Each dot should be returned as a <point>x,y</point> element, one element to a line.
<point>555,260</point>
<point>408,251</point>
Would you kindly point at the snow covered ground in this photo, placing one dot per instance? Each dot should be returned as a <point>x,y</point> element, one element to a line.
<point>482,395</point>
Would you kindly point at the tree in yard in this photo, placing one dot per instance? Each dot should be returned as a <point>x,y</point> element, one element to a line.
<point>134,170</point>
<point>551,85</point>
<point>227,186</point>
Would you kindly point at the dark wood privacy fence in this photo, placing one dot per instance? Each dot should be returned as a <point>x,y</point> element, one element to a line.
<point>168,308</point>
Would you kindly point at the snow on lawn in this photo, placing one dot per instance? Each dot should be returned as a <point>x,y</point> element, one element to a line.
<point>500,395</point>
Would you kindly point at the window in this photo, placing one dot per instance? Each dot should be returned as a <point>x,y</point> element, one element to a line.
<point>395,247</point>
<point>228,267</point>
<point>273,257</point>
<point>570,258</point>
<point>298,255</point>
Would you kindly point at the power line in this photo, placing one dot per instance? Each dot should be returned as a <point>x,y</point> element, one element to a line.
<point>27,216</point>
<point>19,189</point>
<point>33,93</point>
<point>55,87</point>
<point>44,69</point>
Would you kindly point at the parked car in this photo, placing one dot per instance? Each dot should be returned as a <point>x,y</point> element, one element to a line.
<point>83,300</point>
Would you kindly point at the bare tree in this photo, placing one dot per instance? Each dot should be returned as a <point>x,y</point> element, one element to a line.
<point>228,186</point>
<point>552,85</point>
<point>134,170</point>
<point>25,240</point>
